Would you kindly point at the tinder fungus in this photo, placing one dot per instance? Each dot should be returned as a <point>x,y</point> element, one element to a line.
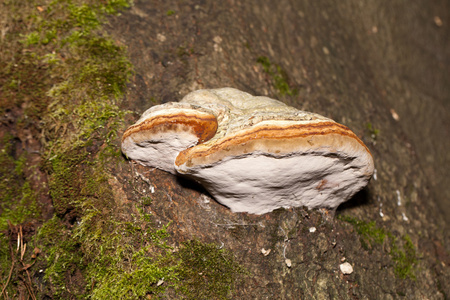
<point>252,154</point>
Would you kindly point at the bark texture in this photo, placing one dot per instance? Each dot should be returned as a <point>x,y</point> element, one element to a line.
<point>380,68</point>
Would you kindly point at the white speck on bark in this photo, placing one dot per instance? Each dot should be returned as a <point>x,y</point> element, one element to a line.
<point>217,48</point>
<point>160,37</point>
<point>405,218</point>
<point>346,268</point>
<point>288,262</point>
<point>265,252</point>
<point>399,198</point>
<point>395,115</point>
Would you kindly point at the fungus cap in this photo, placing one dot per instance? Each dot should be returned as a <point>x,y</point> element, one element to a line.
<point>263,154</point>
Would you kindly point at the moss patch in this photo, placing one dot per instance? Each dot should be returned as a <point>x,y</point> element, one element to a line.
<point>18,200</point>
<point>206,271</point>
<point>279,77</point>
<point>116,259</point>
<point>91,247</point>
<point>402,251</point>
<point>369,233</point>
<point>17,205</point>
<point>372,131</point>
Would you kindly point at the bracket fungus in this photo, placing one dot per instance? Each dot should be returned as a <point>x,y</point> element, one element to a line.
<point>252,154</point>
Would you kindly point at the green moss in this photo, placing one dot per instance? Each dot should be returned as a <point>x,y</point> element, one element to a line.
<point>373,132</point>
<point>206,271</point>
<point>62,255</point>
<point>18,200</point>
<point>170,12</point>
<point>108,256</point>
<point>65,181</point>
<point>91,248</point>
<point>89,71</point>
<point>279,77</point>
<point>402,251</point>
<point>70,21</point>
<point>5,259</point>
<point>126,259</point>
<point>132,269</point>
<point>369,233</point>
<point>17,204</point>
<point>81,74</point>
<point>146,201</point>
<point>110,267</point>
<point>115,257</point>
<point>405,259</point>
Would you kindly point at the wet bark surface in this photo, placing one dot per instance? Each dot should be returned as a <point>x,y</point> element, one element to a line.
<point>379,68</point>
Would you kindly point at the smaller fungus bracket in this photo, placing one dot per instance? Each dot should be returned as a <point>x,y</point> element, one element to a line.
<point>165,130</point>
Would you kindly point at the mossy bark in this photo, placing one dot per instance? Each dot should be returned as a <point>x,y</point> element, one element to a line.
<point>99,226</point>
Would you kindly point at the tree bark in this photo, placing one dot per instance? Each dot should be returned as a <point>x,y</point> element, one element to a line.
<point>381,68</point>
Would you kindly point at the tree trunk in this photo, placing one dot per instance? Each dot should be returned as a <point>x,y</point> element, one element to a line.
<point>381,68</point>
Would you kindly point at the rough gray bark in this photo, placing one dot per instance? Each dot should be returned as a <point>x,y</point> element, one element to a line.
<point>359,63</point>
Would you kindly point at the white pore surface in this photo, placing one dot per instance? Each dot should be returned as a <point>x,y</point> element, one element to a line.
<point>259,183</point>
<point>160,150</point>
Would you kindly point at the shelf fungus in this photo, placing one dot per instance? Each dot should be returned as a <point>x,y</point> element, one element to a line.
<point>252,154</point>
